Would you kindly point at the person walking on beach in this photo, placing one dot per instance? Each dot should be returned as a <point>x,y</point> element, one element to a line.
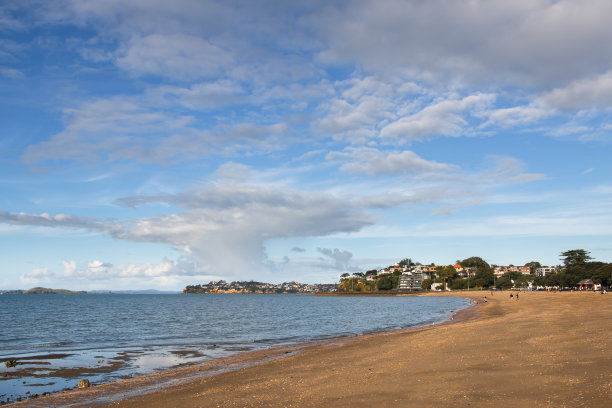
<point>511,296</point>
<point>485,299</point>
<point>517,296</point>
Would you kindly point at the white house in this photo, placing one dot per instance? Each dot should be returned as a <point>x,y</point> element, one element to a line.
<point>545,270</point>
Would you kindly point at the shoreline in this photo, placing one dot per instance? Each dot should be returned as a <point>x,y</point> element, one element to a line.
<point>544,350</point>
<point>108,392</point>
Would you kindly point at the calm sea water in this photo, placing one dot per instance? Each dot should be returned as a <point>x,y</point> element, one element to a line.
<point>60,339</point>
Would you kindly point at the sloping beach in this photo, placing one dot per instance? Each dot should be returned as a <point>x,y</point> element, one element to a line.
<point>545,349</point>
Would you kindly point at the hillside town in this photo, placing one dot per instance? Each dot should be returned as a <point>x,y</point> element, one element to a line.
<point>246,287</point>
<point>577,272</point>
<point>413,277</point>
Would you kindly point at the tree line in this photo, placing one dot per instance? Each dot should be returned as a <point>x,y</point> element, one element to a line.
<point>577,265</point>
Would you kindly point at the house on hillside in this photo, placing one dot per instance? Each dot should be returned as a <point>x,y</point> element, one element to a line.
<point>545,270</point>
<point>428,272</point>
<point>525,270</point>
<point>499,271</point>
<point>463,271</point>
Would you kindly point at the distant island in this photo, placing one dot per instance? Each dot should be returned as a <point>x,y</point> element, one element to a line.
<point>43,291</point>
<point>244,287</point>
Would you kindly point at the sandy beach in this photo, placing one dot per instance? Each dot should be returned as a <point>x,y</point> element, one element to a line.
<point>543,350</point>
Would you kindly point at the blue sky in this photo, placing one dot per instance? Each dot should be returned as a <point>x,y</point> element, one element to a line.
<point>154,144</point>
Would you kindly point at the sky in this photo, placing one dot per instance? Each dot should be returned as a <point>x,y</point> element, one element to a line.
<point>156,144</point>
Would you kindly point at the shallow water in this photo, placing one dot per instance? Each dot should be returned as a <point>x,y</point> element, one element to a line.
<point>58,340</point>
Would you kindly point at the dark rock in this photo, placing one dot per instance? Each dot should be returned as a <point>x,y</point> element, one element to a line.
<point>10,363</point>
<point>83,384</point>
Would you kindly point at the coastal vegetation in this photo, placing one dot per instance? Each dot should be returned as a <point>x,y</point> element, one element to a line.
<point>577,270</point>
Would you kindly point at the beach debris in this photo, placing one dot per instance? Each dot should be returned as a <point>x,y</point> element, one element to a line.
<point>83,384</point>
<point>10,363</point>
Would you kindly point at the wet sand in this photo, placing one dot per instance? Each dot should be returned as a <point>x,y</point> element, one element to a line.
<point>544,350</point>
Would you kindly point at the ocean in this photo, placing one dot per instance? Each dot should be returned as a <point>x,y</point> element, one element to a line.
<point>57,340</point>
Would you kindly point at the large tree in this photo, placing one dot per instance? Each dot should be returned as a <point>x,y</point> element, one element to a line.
<point>575,257</point>
<point>407,262</point>
<point>603,275</point>
<point>474,262</point>
<point>384,283</point>
<point>446,272</point>
<point>484,278</point>
<point>533,265</point>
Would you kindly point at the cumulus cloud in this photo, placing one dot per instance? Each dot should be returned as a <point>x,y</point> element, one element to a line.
<point>340,258</point>
<point>225,226</point>
<point>375,162</point>
<point>358,120</point>
<point>358,108</point>
<point>517,115</point>
<point>37,275</point>
<point>442,118</point>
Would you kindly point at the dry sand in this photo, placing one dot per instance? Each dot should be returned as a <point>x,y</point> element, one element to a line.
<point>544,350</point>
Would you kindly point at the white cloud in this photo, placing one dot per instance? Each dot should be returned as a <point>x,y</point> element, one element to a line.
<point>582,94</point>
<point>59,220</point>
<point>442,118</point>
<point>233,171</point>
<point>37,276</point>
<point>375,162</point>
<point>526,42</point>
<point>225,226</point>
<point>517,115</point>
<point>585,93</point>
<point>115,127</point>
<point>174,55</point>
<point>340,258</point>
<point>356,121</point>
<point>98,270</point>
<point>124,128</point>
<point>509,169</point>
<point>207,95</point>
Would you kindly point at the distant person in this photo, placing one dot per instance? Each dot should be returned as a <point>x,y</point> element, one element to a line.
<point>517,296</point>
<point>485,299</point>
<point>511,296</point>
